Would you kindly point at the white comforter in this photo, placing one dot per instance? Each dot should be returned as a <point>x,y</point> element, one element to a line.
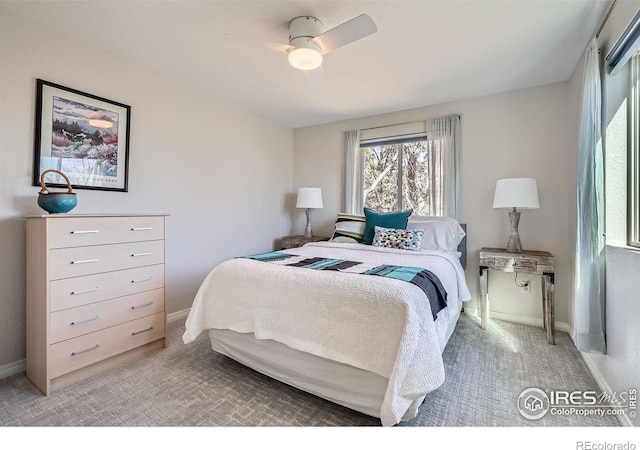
<point>374,323</point>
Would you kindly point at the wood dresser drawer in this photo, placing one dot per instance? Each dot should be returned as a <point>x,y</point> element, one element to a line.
<point>95,294</point>
<point>526,264</point>
<point>79,261</point>
<point>78,291</point>
<point>83,231</point>
<point>73,354</point>
<point>70,323</point>
<point>529,261</point>
<point>510,263</point>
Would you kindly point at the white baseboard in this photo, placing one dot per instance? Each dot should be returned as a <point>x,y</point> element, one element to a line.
<point>179,315</point>
<point>624,420</point>
<point>532,321</point>
<point>21,366</point>
<point>13,368</point>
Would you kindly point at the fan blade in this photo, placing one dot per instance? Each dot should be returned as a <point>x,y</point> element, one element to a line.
<point>348,32</point>
<point>257,42</point>
<point>316,78</point>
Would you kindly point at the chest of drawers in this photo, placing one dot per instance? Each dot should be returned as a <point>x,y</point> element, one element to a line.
<point>95,294</point>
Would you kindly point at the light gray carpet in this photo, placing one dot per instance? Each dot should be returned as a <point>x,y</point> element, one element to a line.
<point>190,385</point>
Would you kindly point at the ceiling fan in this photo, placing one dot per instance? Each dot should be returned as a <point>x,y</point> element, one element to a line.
<point>308,42</point>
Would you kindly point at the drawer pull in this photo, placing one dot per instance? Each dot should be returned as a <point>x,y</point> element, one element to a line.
<point>142,229</point>
<point>85,232</point>
<point>142,306</point>
<point>142,280</point>
<point>84,291</point>
<point>79,322</point>
<point>142,254</point>
<point>95,347</point>
<point>85,261</point>
<point>140,332</point>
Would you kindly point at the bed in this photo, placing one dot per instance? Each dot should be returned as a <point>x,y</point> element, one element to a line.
<point>371,343</point>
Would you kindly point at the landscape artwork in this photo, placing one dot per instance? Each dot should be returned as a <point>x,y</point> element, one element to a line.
<point>83,136</point>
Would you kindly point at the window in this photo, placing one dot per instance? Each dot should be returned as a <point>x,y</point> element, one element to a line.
<point>402,174</point>
<point>625,52</point>
<point>405,166</point>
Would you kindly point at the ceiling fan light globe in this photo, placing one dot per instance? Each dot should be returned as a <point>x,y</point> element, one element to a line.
<point>305,58</point>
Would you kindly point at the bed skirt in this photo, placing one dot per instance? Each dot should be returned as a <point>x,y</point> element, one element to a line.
<point>345,385</point>
<point>354,388</point>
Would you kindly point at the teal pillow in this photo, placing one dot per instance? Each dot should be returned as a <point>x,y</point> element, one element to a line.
<point>395,219</point>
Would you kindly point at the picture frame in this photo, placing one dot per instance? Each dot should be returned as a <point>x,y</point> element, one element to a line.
<point>82,135</point>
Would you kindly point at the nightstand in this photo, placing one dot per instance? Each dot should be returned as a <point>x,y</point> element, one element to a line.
<point>527,261</point>
<point>299,241</point>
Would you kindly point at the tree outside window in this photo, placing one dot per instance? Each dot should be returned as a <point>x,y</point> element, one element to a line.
<point>403,175</point>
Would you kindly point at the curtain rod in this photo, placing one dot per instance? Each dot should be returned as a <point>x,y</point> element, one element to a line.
<point>403,123</point>
<point>604,21</point>
<point>394,125</point>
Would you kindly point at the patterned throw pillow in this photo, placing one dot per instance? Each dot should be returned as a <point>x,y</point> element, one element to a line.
<point>349,227</point>
<point>400,239</point>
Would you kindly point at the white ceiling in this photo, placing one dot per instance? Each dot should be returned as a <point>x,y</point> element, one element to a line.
<point>424,52</point>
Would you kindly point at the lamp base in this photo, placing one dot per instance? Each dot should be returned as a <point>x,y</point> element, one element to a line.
<point>514,244</point>
<point>307,230</point>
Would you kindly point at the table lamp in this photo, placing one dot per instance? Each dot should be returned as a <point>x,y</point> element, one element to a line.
<point>309,198</point>
<point>514,194</point>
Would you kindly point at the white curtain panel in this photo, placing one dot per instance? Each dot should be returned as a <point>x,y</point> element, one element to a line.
<point>589,324</point>
<point>443,134</point>
<point>353,201</point>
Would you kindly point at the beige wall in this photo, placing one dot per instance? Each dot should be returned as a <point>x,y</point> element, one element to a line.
<point>516,134</point>
<point>216,168</point>
<point>619,369</point>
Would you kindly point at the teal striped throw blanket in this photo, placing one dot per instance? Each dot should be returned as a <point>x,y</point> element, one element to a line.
<point>423,278</point>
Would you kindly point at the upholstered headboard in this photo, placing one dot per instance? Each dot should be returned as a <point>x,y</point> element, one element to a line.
<point>462,247</point>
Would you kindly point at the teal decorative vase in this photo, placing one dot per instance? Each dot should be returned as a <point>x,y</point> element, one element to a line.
<point>56,202</point>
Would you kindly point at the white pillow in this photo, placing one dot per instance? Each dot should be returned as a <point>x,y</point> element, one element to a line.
<point>440,233</point>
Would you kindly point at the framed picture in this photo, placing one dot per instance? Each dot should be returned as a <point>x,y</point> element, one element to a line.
<point>82,135</point>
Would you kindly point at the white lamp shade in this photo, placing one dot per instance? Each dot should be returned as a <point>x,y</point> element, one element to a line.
<point>521,193</point>
<point>309,197</point>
